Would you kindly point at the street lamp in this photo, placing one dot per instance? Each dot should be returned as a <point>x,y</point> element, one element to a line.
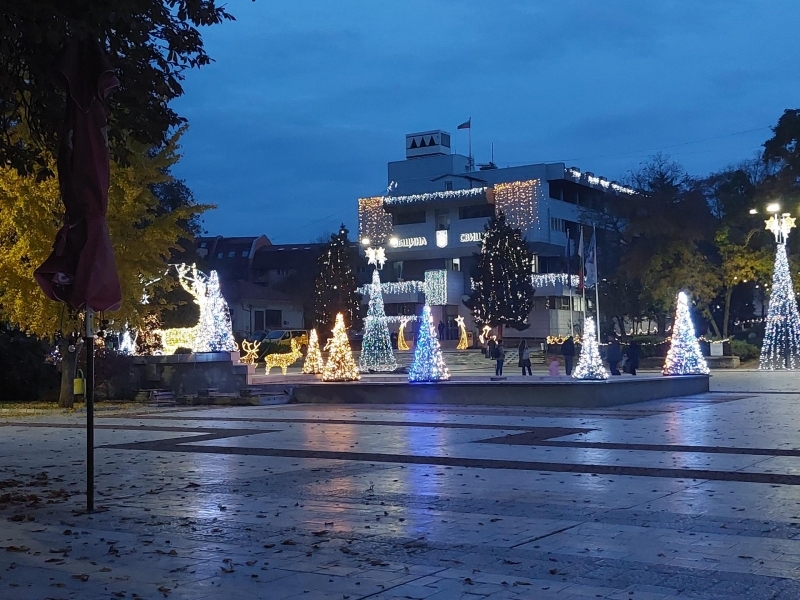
<point>365,241</point>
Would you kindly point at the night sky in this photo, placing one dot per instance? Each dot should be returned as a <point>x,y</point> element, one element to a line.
<point>308,100</point>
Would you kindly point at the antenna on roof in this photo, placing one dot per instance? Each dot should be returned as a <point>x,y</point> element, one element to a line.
<point>490,165</point>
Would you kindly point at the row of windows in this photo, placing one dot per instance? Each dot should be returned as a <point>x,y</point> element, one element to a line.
<point>232,253</point>
<point>265,319</point>
<point>478,211</point>
<point>556,303</point>
<point>557,224</point>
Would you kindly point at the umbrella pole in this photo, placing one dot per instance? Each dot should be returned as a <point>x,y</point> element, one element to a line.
<point>89,395</point>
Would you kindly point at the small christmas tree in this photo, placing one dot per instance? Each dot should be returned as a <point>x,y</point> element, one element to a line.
<point>781,346</point>
<point>684,356</point>
<point>590,365</point>
<point>503,291</point>
<point>336,284</point>
<point>376,347</point>
<point>340,365</point>
<point>214,331</point>
<point>313,363</point>
<point>428,363</point>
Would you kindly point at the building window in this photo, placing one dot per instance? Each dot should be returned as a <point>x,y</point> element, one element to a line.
<point>273,318</point>
<point>453,264</point>
<point>232,253</point>
<point>448,186</point>
<point>258,320</point>
<point>557,224</point>
<point>220,255</point>
<point>409,218</point>
<point>398,269</point>
<point>282,272</point>
<point>245,253</point>
<point>203,244</point>
<point>442,219</point>
<point>478,211</point>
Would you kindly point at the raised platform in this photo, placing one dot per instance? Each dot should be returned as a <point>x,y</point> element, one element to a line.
<point>513,391</point>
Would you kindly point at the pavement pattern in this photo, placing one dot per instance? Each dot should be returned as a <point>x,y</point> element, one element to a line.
<point>684,498</point>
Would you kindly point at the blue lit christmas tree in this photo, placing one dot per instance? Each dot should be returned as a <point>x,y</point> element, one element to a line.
<point>376,347</point>
<point>428,363</point>
<point>684,356</point>
<point>781,347</point>
<point>214,331</point>
<point>590,364</point>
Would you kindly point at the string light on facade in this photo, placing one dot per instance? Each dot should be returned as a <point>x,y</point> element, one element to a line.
<point>541,280</point>
<point>436,287</point>
<point>517,201</point>
<point>479,192</point>
<point>374,223</point>
<point>590,364</point>
<point>684,356</point>
<point>376,345</point>
<point>781,346</point>
<point>463,341</point>
<point>428,364</point>
<point>340,365</point>
<point>313,363</point>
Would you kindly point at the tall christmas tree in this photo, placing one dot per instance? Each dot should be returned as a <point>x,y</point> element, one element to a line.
<point>214,331</point>
<point>336,284</point>
<point>376,347</point>
<point>503,291</point>
<point>590,364</point>
<point>340,365</point>
<point>428,363</point>
<point>781,346</point>
<point>684,356</point>
<point>313,363</point>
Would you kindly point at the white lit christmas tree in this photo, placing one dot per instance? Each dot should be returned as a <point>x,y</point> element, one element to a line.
<point>590,364</point>
<point>376,347</point>
<point>428,363</point>
<point>313,363</point>
<point>214,331</point>
<point>340,365</point>
<point>781,346</point>
<point>684,356</point>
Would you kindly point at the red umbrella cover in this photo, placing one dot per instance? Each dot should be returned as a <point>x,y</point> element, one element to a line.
<point>81,270</point>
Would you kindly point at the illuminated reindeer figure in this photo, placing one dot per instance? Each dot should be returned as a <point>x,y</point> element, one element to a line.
<point>283,360</point>
<point>251,352</point>
<point>194,282</point>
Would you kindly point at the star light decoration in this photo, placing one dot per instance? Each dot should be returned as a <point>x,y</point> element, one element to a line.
<point>401,336</point>
<point>463,341</point>
<point>780,226</point>
<point>376,256</point>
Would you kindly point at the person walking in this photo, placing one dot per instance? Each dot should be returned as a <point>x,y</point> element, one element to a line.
<point>634,351</point>
<point>614,355</point>
<point>568,352</point>
<point>524,357</point>
<point>500,357</point>
<point>441,330</point>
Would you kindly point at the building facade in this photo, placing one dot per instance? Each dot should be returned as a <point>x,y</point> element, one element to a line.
<point>432,221</point>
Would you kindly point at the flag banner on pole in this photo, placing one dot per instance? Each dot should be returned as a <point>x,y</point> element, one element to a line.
<point>466,124</point>
<point>590,263</point>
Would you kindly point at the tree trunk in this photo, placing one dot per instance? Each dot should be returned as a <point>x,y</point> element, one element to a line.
<point>728,294</point>
<point>661,322</point>
<point>69,364</point>
<point>712,322</point>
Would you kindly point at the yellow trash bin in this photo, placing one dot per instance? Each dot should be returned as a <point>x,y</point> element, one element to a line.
<point>79,384</point>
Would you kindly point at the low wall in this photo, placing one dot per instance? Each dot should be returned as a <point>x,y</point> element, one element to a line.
<point>568,393</point>
<point>189,373</point>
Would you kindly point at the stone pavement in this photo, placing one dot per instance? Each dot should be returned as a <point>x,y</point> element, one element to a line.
<point>688,498</point>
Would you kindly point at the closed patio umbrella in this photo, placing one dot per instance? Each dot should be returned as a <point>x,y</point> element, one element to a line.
<point>81,270</point>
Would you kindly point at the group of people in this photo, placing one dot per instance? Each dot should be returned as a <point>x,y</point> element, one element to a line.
<point>614,356</point>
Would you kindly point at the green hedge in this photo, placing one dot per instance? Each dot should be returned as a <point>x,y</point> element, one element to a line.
<point>744,350</point>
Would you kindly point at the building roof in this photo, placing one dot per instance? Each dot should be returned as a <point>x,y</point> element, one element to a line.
<point>241,290</point>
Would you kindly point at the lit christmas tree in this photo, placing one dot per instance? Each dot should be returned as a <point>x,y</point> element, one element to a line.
<point>503,291</point>
<point>684,356</point>
<point>313,363</point>
<point>376,347</point>
<point>428,363</point>
<point>214,331</point>
<point>781,346</point>
<point>340,365</point>
<point>336,284</point>
<point>590,365</point>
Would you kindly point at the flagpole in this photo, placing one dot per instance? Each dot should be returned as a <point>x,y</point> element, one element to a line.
<point>596,280</point>
<point>569,286</point>
<point>583,281</point>
<point>471,162</point>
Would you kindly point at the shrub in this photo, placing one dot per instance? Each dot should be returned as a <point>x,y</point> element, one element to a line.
<point>745,350</point>
<point>23,370</point>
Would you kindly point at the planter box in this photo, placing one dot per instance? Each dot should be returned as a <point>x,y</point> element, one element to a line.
<point>189,373</point>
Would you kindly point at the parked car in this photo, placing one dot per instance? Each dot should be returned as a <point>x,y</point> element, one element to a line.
<point>281,337</point>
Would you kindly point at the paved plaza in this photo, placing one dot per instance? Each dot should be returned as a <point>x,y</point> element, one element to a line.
<point>687,498</point>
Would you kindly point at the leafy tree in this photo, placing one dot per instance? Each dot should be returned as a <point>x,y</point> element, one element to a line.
<point>151,43</point>
<point>503,291</point>
<point>143,237</point>
<point>336,285</point>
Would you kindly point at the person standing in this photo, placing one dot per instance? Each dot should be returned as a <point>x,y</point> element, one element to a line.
<point>614,355</point>
<point>524,357</point>
<point>491,345</point>
<point>500,357</point>
<point>634,352</point>
<point>568,352</point>
<point>441,330</point>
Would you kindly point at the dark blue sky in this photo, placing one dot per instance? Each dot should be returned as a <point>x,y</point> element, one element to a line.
<point>309,99</point>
